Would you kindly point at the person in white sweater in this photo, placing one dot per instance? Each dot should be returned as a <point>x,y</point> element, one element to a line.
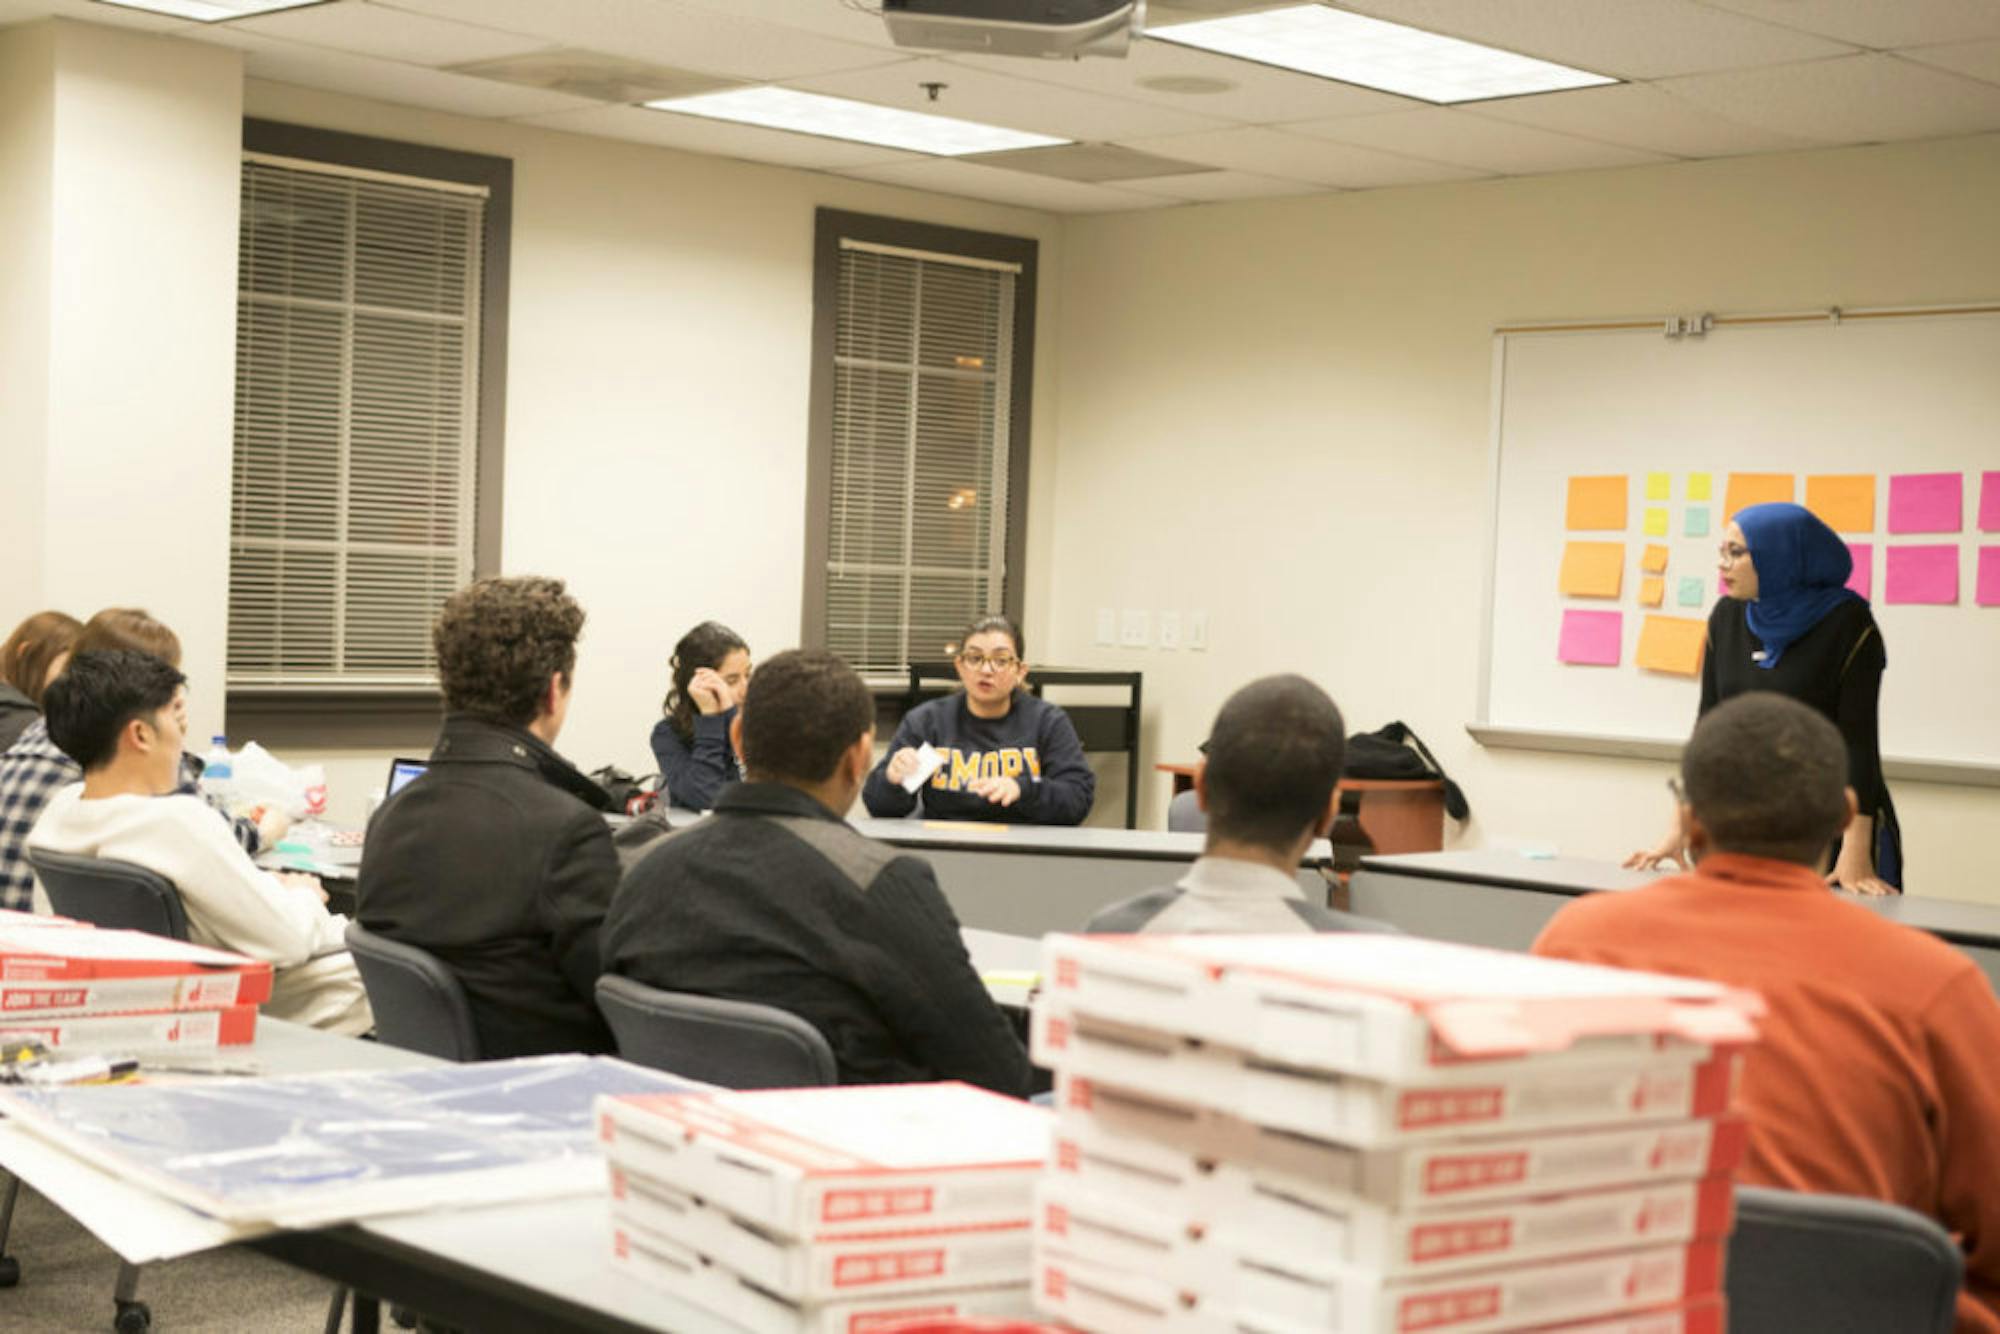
<point>122,715</point>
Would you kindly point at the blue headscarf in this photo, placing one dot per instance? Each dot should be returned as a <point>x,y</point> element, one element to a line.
<point>1802,571</point>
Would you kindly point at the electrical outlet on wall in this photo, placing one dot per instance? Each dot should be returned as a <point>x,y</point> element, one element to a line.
<point>1136,629</point>
<point>1197,631</point>
<point>1107,625</point>
<point>1170,629</point>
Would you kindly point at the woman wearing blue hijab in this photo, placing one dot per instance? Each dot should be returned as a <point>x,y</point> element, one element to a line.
<point>1791,624</point>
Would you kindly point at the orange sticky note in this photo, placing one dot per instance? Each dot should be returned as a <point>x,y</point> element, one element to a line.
<point>1593,569</point>
<point>1845,503</point>
<point>1654,559</point>
<point>1755,488</point>
<point>1652,591</point>
<point>1596,504</point>
<point>1672,644</point>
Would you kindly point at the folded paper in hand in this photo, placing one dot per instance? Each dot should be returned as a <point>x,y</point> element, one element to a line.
<point>928,761</point>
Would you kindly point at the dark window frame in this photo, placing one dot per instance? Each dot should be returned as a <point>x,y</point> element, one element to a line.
<point>830,226</point>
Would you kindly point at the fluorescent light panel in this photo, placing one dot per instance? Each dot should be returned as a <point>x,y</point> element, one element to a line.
<point>1374,53</point>
<point>211,11</point>
<point>862,122</point>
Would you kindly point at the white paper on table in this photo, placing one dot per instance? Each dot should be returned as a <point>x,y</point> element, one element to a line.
<point>139,1224</point>
<point>928,760</point>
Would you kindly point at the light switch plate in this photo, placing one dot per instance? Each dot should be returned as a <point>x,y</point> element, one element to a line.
<point>1136,629</point>
<point>1197,631</point>
<point>1107,625</point>
<point>1170,629</point>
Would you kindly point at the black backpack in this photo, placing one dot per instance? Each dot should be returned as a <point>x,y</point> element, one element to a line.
<point>1396,752</point>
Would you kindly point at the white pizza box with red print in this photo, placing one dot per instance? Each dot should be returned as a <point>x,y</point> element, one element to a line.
<point>1392,1008</point>
<point>229,1027</point>
<point>1186,1158</point>
<point>1368,1239</point>
<point>835,1265</point>
<point>1515,1098</point>
<point>801,1162</point>
<point>669,1264</point>
<point>39,954</point>
<point>1089,1278</point>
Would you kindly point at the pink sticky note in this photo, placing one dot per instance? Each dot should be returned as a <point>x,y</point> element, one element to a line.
<point>1989,576</point>
<point>1989,502</point>
<point>1591,637</point>
<point>1927,502</point>
<point>1923,574</point>
<point>1862,580</point>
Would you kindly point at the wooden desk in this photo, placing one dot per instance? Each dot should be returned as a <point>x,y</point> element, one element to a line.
<point>1397,814</point>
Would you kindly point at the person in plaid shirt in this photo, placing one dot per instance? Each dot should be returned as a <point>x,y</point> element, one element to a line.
<point>33,769</point>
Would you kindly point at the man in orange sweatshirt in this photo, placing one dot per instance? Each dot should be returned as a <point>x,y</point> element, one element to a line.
<point>1879,1070</point>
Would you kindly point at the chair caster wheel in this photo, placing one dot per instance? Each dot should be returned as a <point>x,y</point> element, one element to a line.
<point>133,1318</point>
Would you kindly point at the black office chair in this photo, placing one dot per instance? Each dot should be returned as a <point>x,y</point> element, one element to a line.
<point>418,1004</point>
<point>110,893</point>
<point>1835,1264</point>
<point>732,1043</point>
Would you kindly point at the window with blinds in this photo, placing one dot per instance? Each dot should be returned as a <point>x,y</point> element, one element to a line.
<point>917,525</point>
<point>357,359</point>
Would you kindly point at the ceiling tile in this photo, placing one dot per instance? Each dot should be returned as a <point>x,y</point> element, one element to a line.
<point>1632,39</point>
<point>390,34</point>
<point>1256,94</point>
<point>1002,99</point>
<point>1854,99</point>
<point>114,16</point>
<point>1448,134</point>
<point>694,134</point>
<point>946,177</point>
<point>1085,162</point>
<point>1215,186</point>
<point>1639,115</point>
<point>383,80</point>
<point>667,32</point>
<point>847,23</point>
<point>1275,153</point>
<point>1879,23</point>
<point>1976,60</point>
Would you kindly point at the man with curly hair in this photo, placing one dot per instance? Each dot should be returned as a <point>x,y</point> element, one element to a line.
<point>497,859</point>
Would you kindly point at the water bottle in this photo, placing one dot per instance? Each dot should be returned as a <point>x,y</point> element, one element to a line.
<point>218,771</point>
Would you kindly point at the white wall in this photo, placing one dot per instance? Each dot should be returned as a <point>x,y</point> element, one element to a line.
<point>657,391</point>
<point>1279,412</point>
<point>131,313</point>
<point>27,160</point>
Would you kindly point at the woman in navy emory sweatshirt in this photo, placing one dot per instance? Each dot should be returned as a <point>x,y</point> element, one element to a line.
<point>1005,754</point>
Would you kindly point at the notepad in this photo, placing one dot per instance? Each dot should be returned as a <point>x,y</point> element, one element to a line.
<point>1592,569</point>
<point>1844,503</point>
<point>1672,644</point>
<point>1755,488</point>
<point>1595,503</point>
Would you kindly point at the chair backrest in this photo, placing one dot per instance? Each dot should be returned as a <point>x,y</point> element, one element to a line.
<point>1835,1264</point>
<point>418,1004</point>
<point>1185,815</point>
<point>106,892</point>
<point>732,1043</point>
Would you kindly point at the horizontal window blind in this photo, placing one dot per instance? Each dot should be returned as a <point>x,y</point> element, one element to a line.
<point>918,524</point>
<point>357,357</point>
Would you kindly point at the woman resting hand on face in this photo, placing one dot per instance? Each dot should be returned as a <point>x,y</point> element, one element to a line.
<point>711,666</point>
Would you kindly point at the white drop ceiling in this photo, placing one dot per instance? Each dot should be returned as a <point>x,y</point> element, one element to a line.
<point>1700,79</point>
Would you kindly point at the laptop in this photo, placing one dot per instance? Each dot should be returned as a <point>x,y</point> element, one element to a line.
<point>403,772</point>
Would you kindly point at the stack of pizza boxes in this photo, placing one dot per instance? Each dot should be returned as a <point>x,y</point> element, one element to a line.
<point>70,986</point>
<point>1381,1135</point>
<point>791,1211</point>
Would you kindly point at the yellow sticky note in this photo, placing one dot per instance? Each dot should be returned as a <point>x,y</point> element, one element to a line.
<point>1672,644</point>
<point>1700,486</point>
<point>1596,503</point>
<point>1593,569</point>
<point>1652,591</point>
<point>1659,485</point>
<point>1656,521</point>
<point>1755,488</point>
<point>1845,503</point>
<point>1654,559</point>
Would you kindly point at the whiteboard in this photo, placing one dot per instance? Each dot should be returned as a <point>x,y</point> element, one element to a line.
<point>1875,393</point>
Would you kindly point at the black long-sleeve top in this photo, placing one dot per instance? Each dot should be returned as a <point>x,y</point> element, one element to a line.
<point>697,770</point>
<point>1836,667</point>
<point>1035,744</point>
<point>775,899</point>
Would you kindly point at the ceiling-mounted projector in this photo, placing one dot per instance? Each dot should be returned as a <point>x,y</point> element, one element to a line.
<point>1055,29</point>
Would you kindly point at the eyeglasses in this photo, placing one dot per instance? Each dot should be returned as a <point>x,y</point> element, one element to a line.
<point>1733,551</point>
<point>979,662</point>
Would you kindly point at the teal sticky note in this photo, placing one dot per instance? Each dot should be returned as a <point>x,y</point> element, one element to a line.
<point>1697,522</point>
<point>1690,592</point>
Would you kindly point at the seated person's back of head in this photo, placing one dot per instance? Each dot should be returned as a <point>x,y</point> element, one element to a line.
<point>1875,1075</point>
<point>776,900</point>
<point>122,715</point>
<point>497,859</point>
<point>1267,782</point>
